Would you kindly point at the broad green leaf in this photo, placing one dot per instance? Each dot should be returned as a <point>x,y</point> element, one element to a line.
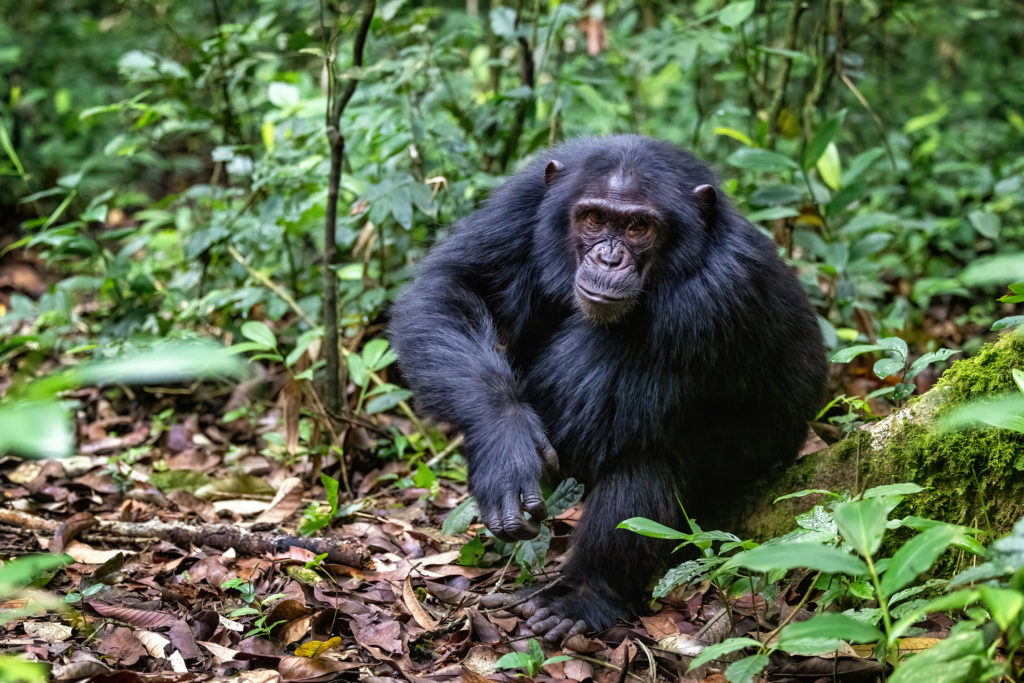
<point>22,571</point>
<point>1018,378</point>
<point>471,552</point>
<point>648,527</point>
<point>960,658</point>
<point>283,95</point>
<point>851,352</point>
<point>687,572</point>
<point>946,603</point>
<point>1007,322</point>
<point>754,159</point>
<point>994,270</point>
<point>330,485</point>
<point>17,668</point>
<point>258,332</point>
<point>925,120</point>
<point>785,556</point>
<point>378,404</point>
<point>771,214</point>
<point>986,223</point>
<point>830,167</point>
<point>167,362</point>
<point>305,340</point>
<point>1003,604</point>
<point>461,516</point>
<point>530,554</point>
<point>884,367</point>
<point>374,351</point>
<point>916,556</point>
<point>36,429</point>
<point>514,660</point>
<point>744,670</point>
<point>713,652</point>
<point>823,632</point>
<point>902,489</point>
<point>895,344</point>
<point>1006,412</point>
<point>566,494</point>
<point>245,347</point>
<point>862,523</point>
<point>805,492</point>
<point>735,13</point>
<point>735,135</point>
<point>424,478</point>
<point>357,370</point>
<point>821,140</point>
<point>927,359</point>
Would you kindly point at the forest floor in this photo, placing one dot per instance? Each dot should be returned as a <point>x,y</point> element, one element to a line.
<point>151,512</point>
<point>188,566</point>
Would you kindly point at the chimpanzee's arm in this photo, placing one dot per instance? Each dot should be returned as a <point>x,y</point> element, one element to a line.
<point>446,336</point>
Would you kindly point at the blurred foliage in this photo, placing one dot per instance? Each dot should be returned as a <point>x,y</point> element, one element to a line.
<point>170,160</point>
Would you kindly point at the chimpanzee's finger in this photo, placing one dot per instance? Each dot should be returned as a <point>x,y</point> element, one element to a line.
<point>559,631</point>
<point>495,600</point>
<point>538,616</point>
<point>533,501</point>
<point>512,521</point>
<point>546,451</point>
<point>527,609</point>
<point>493,520</point>
<point>544,626</point>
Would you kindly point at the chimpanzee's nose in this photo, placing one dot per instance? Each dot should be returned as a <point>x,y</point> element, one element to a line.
<point>610,255</point>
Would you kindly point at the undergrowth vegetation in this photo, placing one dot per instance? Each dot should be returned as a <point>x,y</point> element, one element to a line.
<point>167,167</point>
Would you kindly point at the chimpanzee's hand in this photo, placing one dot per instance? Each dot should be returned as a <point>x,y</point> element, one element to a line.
<point>505,469</point>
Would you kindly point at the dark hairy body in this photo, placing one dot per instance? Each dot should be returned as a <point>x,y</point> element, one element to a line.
<point>607,315</point>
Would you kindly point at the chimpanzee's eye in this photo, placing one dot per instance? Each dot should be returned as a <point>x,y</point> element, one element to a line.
<point>637,227</point>
<point>597,216</point>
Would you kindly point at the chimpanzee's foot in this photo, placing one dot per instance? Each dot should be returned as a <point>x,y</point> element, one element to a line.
<point>558,612</point>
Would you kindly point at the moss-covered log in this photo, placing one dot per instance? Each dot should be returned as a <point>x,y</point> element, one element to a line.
<point>975,477</point>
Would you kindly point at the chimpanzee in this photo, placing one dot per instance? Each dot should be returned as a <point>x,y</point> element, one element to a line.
<point>607,305</point>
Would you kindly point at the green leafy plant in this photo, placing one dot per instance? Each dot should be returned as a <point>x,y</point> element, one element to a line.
<point>532,661</point>
<point>316,516</point>
<point>254,605</point>
<point>841,543</point>
<point>894,361</point>
<point>529,555</point>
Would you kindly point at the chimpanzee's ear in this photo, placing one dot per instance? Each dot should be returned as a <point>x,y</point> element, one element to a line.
<point>552,171</point>
<point>706,197</point>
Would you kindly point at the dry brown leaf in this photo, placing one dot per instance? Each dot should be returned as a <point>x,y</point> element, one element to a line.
<point>415,608</point>
<point>120,646</point>
<point>86,554</point>
<point>304,668</point>
<point>660,626</point>
<point>192,503</point>
<point>259,676</point>
<point>242,506</point>
<point>178,664</point>
<point>148,619</point>
<point>155,644</point>
<point>224,654</point>
<point>49,632</point>
<point>286,501</point>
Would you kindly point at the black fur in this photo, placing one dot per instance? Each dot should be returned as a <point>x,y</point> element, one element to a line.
<point>706,382</point>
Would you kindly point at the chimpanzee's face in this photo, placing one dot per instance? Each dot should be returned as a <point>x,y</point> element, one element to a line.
<point>615,232</point>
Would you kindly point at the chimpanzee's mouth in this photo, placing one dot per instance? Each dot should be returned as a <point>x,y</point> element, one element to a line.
<point>598,297</point>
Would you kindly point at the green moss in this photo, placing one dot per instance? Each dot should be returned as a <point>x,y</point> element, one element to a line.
<point>986,373</point>
<point>976,477</point>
